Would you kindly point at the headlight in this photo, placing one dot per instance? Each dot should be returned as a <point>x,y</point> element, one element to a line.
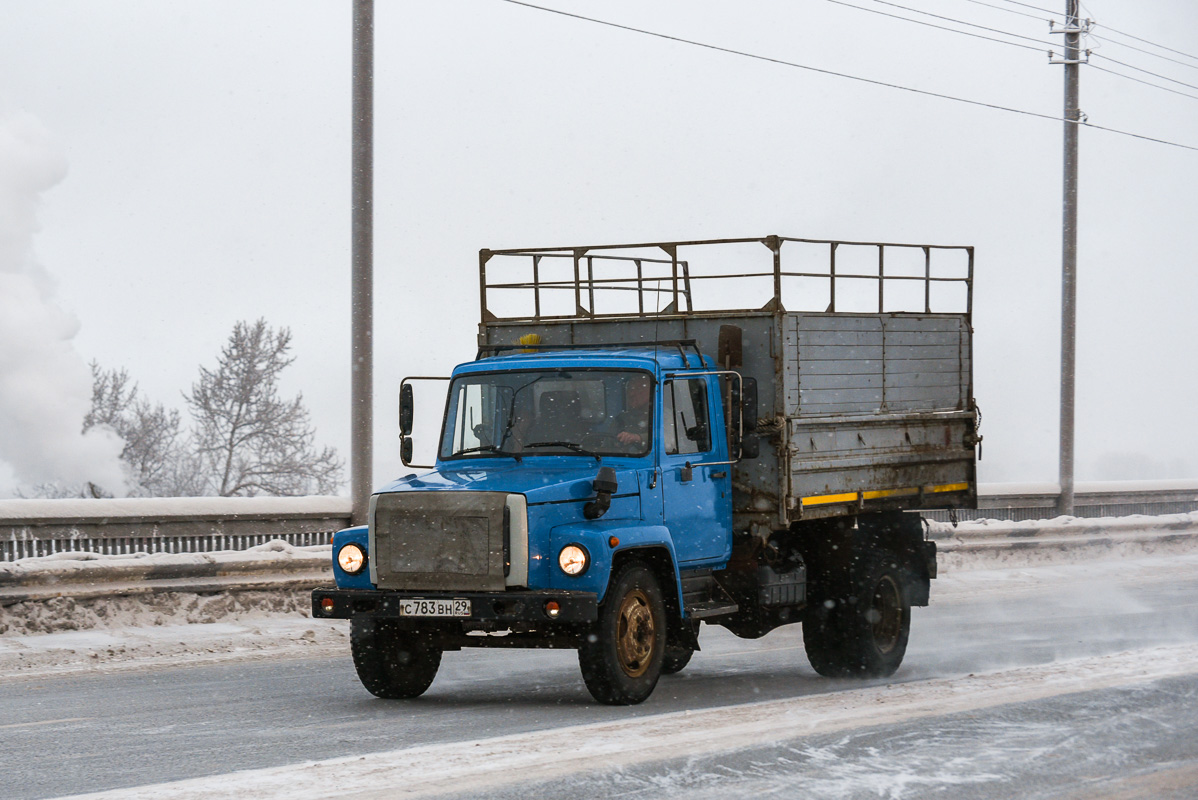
<point>574,559</point>
<point>351,558</point>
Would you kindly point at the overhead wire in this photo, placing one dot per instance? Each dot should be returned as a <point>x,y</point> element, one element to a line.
<point>1100,38</point>
<point>940,27</point>
<point>1051,19</point>
<point>1145,41</point>
<point>1011,10</point>
<point>847,76</point>
<point>1096,24</point>
<point>1145,71</point>
<point>1016,44</point>
<point>1146,83</point>
<point>1028,5</point>
<point>949,19</point>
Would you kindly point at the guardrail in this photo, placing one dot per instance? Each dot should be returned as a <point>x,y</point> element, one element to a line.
<point>204,524</point>
<point>1030,501</point>
<point>31,528</point>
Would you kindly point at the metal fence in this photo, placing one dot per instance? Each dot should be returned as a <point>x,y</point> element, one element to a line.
<point>194,525</point>
<point>1017,502</point>
<point>31,528</point>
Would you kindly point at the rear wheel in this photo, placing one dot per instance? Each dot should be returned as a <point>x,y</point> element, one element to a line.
<point>392,663</point>
<point>860,629</point>
<point>621,656</point>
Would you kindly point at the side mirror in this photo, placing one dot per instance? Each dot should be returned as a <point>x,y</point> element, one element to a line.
<point>605,486</point>
<point>405,450</point>
<point>406,409</point>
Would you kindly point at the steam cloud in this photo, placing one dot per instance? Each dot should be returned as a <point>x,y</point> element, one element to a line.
<point>45,386</point>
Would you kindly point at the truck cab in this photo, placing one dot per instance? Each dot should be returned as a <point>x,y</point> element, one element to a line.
<point>605,490</point>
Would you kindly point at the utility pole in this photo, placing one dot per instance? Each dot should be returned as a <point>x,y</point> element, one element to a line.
<point>362,257</point>
<point>1072,61</point>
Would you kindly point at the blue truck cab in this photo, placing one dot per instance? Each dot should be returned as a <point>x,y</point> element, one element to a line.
<point>601,488</point>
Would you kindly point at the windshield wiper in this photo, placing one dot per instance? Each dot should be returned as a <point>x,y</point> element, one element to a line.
<point>575,446</point>
<point>488,448</point>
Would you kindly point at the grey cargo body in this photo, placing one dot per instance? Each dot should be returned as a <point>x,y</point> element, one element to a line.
<point>857,411</point>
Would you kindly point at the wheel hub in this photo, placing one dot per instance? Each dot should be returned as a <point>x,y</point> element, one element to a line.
<point>635,634</point>
<point>886,614</point>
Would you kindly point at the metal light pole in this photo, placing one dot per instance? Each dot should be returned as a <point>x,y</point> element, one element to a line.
<point>1072,63</point>
<point>362,256</point>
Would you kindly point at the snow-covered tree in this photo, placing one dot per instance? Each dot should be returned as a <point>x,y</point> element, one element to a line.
<point>155,453</point>
<point>249,440</point>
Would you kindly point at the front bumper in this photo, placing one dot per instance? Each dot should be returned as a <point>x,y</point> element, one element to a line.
<point>526,607</point>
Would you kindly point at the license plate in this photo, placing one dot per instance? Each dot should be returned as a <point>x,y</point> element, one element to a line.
<point>420,607</point>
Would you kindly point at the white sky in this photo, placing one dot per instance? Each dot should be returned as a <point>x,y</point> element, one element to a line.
<point>208,181</point>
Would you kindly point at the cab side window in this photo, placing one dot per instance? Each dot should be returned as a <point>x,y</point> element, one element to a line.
<point>685,416</point>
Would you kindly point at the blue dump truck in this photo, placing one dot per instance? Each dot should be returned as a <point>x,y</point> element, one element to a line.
<point>734,432</point>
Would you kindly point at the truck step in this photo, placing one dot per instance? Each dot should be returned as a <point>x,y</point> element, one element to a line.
<point>711,608</point>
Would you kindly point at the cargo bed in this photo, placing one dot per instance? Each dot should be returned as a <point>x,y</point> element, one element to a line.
<point>858,410</point>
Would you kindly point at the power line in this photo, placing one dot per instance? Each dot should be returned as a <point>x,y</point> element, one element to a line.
<point>819,70</point>
<point>939,27</point>
<point>1146,83</point>
<point>1027,5</point>
<point>1095,24</point>
<point>1145,71</point>
<point>1146,41</point>
<point>1010,10</point>
<point>1141,50</point>
<point>1017,44</point>
<point>951,19</point>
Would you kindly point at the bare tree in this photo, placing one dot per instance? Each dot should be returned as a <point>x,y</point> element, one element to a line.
<point>156,457</point>
<point>249,440</point>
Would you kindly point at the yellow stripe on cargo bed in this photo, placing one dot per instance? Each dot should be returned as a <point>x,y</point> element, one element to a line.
<point>853,497</point>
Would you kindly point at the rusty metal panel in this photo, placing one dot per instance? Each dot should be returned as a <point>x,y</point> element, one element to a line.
<point>884,415</point>
<point>846,464</point>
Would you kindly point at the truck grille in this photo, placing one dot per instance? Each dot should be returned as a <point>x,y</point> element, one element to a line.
<point>438,541</point>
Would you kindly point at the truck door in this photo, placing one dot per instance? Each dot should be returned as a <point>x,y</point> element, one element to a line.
<point>697,499</point>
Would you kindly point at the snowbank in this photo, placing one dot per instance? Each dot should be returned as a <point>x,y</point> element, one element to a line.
<point>1062,526</point>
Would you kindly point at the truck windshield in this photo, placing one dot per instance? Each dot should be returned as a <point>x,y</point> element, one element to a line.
<point>549,412</point>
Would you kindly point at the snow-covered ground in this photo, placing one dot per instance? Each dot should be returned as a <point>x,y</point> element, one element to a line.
<point>480,767</point>
<point>65,635</point>
<point>161,631</point>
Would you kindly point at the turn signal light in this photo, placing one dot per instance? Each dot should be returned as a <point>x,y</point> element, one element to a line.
<point>326,605</point>
<point>552,609</point>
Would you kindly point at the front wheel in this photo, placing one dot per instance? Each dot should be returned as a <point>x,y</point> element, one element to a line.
<point>621,656</point>
<point>861,628</point>
<point>392,663</point>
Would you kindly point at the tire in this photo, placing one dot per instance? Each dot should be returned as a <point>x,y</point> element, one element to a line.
<point>393,664</point>
<point>676,659</point>
<point>679,655</point>
<point>861,631</point>
<point>621,656</point>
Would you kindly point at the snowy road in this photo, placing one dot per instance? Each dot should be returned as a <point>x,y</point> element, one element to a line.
<point>1050,681</point>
